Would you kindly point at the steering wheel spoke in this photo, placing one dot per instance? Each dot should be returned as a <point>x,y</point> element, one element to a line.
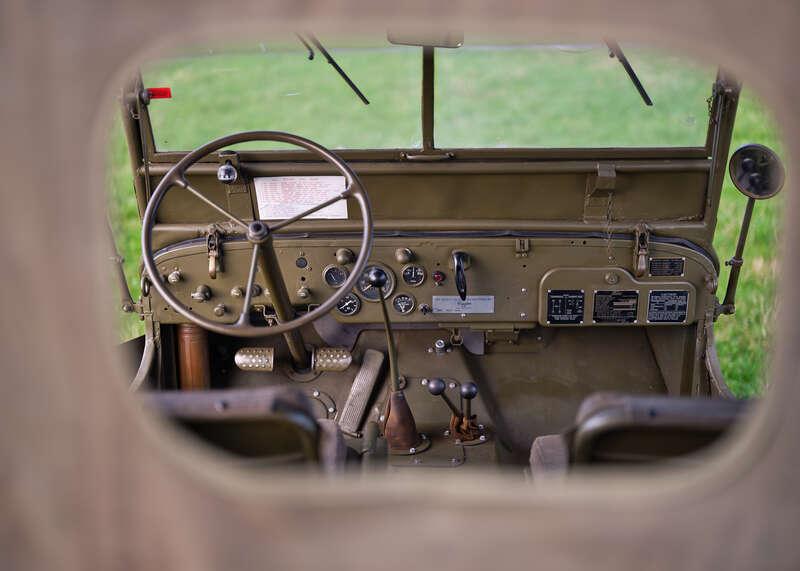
<point>248,296</point>
<point>184,184</point>
<point>286,221</point>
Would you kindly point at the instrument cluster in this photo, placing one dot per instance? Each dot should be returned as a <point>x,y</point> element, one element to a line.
<point>402,302</point>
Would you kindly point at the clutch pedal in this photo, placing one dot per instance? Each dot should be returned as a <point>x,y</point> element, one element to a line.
<point>356,404</point>
<point>255,358</point>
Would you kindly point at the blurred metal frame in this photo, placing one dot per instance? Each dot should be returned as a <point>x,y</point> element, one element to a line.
<point>88,481</point>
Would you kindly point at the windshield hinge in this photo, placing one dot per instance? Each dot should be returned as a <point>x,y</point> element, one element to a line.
<point>641,249</point>
<point>427,157</point>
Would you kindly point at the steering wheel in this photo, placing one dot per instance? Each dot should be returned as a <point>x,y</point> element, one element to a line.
<point>259,233</point>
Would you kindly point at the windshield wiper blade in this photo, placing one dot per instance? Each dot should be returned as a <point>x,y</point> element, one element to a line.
<point>615,51</point>
<point>313,39</point>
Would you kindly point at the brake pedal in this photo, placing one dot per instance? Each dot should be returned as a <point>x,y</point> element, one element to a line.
<point>356,404</point>
<point>330,359</point>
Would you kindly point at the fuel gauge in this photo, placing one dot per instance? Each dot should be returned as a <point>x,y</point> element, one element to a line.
<point>403,303</point>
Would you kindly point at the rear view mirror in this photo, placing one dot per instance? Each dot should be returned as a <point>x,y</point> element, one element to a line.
<point>756,171</point>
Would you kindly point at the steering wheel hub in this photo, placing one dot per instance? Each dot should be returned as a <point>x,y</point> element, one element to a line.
<point>257,232</point>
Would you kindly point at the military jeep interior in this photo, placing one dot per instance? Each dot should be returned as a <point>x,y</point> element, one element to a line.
<point>321,298</point>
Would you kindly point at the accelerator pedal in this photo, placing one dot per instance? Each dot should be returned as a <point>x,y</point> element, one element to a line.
<point>356,404</point>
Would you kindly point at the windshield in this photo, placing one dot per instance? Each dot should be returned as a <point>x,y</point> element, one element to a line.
<point>486,96</point>
<point>278,88</point>
<point>567,96</point>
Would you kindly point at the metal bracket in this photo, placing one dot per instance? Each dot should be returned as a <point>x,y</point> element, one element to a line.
<point>600,188</point>
<point>510,336</point>
<point>641,249</point>
<point>522,247</point>
<point>214,246</point>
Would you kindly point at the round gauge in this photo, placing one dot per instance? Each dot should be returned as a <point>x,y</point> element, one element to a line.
<point>413,275</point>
<point>403,303</point>
<point>334,276</point>
<point>349,304</point>
<point>369,292</point>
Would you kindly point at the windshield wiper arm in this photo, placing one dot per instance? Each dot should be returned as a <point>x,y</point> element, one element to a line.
<point>313,39</point>
<point>615,51</point>
<point>305,44</point>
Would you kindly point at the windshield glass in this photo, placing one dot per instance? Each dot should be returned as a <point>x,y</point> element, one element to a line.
<point>277,88</point>
<point>486,96</point>
<point>567,96</point>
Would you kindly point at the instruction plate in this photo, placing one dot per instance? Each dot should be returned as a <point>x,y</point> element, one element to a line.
<point>667,267</point>
<point>280,197</point>
<point>667,306</point>
<point>565,306</point>
<point>616,306</point>
<point>454,304</point>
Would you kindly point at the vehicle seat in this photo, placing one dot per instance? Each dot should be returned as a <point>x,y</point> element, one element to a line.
<point>618,428</point>
<point>271,426</point>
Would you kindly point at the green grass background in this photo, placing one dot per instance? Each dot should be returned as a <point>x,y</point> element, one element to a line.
<point>495,98</point>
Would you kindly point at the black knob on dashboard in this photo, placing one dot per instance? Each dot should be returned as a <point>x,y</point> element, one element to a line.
<point>377,277</point>
<point>469,390</point>
<point>436,387</point>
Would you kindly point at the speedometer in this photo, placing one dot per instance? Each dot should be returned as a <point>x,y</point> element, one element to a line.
<point>369,292</point>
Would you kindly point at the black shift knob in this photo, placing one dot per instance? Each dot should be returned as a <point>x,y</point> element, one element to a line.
<point>436,387</point>
<point>377,277</point>
<point>469,390</point>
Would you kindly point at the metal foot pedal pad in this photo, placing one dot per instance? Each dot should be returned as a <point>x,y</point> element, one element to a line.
<point>255,358</point>
<point>356,404</point>
<point>330,359</point>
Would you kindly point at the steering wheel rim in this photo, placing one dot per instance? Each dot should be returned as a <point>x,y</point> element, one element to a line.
<point>176,176</point>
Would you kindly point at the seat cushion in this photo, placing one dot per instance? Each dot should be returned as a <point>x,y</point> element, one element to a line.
<point>549,456</point>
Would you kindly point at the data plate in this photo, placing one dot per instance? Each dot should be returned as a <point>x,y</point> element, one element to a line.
<point>667,306</point>
<point>454,304</point>
<point>616,306</point>
<point>667,267</point>
<point>565,306</point>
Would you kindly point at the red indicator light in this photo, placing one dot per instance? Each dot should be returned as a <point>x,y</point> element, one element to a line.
<point>159,92</point>
<point>438,277</point>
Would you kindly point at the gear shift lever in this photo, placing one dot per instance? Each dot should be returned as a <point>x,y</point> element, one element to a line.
<point>462,423</point>
<point>399,429</point>
<point>436,387</point>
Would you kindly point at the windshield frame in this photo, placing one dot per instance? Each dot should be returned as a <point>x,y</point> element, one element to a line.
<point>428,151</point>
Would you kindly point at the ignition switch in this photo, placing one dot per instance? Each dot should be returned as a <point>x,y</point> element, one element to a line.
<point>202,293</point>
